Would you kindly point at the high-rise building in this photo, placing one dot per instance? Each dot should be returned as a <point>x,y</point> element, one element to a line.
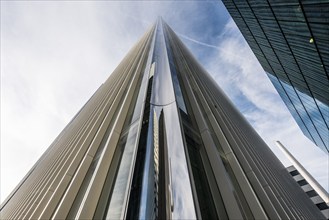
<point>158,140</point>
<point>290,39</point>
<point>309,185</point>
<point>309,190</point>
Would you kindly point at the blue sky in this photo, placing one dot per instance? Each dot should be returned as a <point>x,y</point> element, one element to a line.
<point>54,55</point>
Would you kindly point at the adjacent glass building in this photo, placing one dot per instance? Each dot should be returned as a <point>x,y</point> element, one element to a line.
<point>290,39</point>
<point>158,140</point>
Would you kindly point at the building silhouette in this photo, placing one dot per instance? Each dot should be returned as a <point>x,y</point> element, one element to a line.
<point>158,140</point>
<point>290,40</point>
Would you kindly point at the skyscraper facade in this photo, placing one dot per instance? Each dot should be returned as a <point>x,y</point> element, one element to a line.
<point>290,40</point>
<point>307,188</point>
<point>158,140</point>
<point>307,182</point>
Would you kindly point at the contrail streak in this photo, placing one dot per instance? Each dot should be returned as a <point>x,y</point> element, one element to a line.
<point>199,42</point>
<point>212,46</point>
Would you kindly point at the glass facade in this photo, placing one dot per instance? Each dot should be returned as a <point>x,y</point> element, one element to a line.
<point>305,112</point>
<point>290,40</point>
<point>158,140</point>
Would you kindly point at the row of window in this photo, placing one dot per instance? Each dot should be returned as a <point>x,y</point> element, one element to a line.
<point>304,111</point>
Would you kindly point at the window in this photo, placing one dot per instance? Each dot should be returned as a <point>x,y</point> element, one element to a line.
<point>322,206</point>
<point>311,193</point>
<point>294,173</point>
<point>302,182</point>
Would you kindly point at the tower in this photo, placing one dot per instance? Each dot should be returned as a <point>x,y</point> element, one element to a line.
<point>305,180</point>
<point>158,140</point>
<point>304,173</point>
<point>309,190</point>
<point>290,40</point>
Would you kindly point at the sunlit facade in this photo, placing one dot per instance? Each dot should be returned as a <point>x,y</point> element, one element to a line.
<point>290,40</point>
<point>158,140</point>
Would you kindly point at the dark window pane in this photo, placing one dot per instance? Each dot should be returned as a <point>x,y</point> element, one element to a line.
<point>302,182</point>
<point>322,206</point>
<point>311,193</point>
<point>294,173</point>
